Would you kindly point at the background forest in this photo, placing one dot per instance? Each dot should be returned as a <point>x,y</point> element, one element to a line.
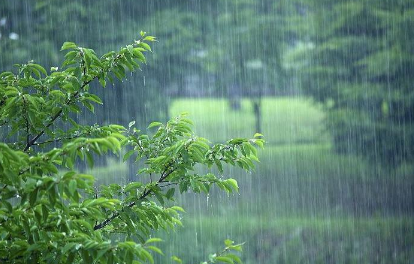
<point>329,84</point>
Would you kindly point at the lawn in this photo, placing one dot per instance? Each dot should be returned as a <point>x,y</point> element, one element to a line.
<point>297,240</point>
<point>285,120</point>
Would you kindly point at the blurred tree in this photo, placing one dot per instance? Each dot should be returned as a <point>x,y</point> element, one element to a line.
<point>358,61</point>
<point>250,37</point>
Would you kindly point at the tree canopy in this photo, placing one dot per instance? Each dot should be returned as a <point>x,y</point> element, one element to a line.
<point>358,63</point>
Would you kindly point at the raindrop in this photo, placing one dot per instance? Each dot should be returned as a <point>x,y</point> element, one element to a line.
<point>14,36</point>
<point>3,21</point>
<point>208,196</point>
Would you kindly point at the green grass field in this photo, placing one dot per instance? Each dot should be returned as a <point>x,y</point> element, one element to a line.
<point>296,240</point>
<point>285,120</point>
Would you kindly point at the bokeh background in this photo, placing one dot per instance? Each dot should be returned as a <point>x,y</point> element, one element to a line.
<point>329,84</point>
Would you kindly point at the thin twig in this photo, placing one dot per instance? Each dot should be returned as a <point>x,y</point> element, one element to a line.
<point>59,113</point>
<point>55,116</point>
<point>60,139</point>
<point>146,192</point>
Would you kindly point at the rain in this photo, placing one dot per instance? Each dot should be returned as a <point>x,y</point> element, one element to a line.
<point>329,84</point>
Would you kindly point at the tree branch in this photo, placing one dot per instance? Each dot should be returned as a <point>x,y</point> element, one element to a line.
<point>60,139</point>
<point>59,113</point>
<point>56,116</point>
<point>146,192</point>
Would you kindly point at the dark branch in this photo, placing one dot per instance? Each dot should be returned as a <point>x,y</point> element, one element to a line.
<point>56,116</point>
<point>146,192</point>
<point>59,113</point>
<point>60,139</point>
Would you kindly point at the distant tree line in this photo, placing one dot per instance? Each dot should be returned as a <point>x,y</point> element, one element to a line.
<point>360,65</point>
<point>354,57</point>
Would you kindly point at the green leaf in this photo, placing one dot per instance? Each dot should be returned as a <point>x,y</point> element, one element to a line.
<point>219,165</point>
<point>39,68</point>
<point>224,259</point>
<point>147,255</point>
<point>178,208</point>
<point>258,135</point>
<point>128,154</point>
<point>150,38</point>
<point>130,48</point>
<point>228,242</point>
<point>155,249</point>
<point>170,193</point>
<point>89,159</point>
<point>234,258</point>
<point>68,45</point>
<point>154,124</point>
<point>176,259</point>
<point>93,98</point>
<point>153,240</point>
<point>132,186</point>
<point>145,46</point>
<point>72,186</point>
<point>68,247</point>
<point>45,212</point>
<point>71,257</point>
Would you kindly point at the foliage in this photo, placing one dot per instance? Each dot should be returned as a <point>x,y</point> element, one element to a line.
<point>50,212</point>
<point>359,65</point>
<point>250,41</point>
